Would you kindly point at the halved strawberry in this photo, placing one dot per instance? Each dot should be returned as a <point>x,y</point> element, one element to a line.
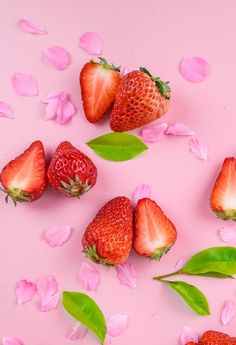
<point>24,178</point>
<point>223,196</point>
<point>99,84</point>
<point>154,233</point>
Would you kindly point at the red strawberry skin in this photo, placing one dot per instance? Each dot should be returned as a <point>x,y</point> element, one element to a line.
<point>214,338</point>
<point>138,102</point>
<point>223,196</point>
<point>99,85</point>
<point>154,233</point>
<point>24,179</point>
<point>232,341</point>
<point>71,171</point>
<point>108,238</point>
<point>191,343</point>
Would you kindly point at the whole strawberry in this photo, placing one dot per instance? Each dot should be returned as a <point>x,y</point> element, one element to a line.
<point>154,233</point>
<point>24,179</point>
<point>223,196</point>
<point>141,99</point>
<point>71,172</point>
<point>99,83</point>
<point>214,338</point>
<point>108,238</point>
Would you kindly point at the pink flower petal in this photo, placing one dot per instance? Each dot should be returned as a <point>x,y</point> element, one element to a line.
<point>57,236</point>
<point>51,304</point>
<point>6,110</point>
<point>59,107</point>
<point>58,56</point>
<point>89,276</point>
<point>194,69</point>
<point>199,149</point>
<point>179,128</point>
<point>127,70</point>
<point>32,28</point>
<point>228,312</point>
<point>24,84</point>
<point>11,341</point>
<point>46,289</point>
<point>116,325</point>
<point>142,191</point>
<point>153,133</point>
<point>91,42</point>
<point>188,335</point>
<point>227,234</point>
<point>127,275</point>
<point>181,262</point>
<point>79,331</point>
<point>25,291</point>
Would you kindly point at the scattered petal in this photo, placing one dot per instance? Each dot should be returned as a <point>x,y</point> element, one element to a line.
<point>79,331</point>
<point>228,312</point>
<point>51,304</point>
<point>199,149</point>
<point>127,275</point>
<point>6,110</point>
<point>57,236</point>
<point>24,84</point>
<point>89,276</point>
<point>194,69</point>
<point>25,291</point>
<point>142,191</point>
<point>91,42</point>
<point>46,289</point>
<point>59,107</point>
<point>227,234</point>
<point>11,341</point>
<point>153,133</point>
<point>58,56</point>
<point>116,325</point>
<point>127,70</point>
<point>187,335</point>
<point>181,262</point>
<point>32,28</point>
<point>179,128</point>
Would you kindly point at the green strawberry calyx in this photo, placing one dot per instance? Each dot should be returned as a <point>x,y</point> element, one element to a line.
<point>227,214</point>
<point>103,62</point>
<point>162,86</point>
<point>17,195</point>
<point>91,253</point>
<point>74,188</point>
<point>158,253</point>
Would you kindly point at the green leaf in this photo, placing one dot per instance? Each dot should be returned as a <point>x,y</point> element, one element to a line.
<point>117,147</point>
<point>85,310</point>
<point>215,275</point>
<point>217,259</point>
<point>192,296</point>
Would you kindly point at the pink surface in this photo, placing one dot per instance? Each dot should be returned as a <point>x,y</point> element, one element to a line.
<point>156,34</point>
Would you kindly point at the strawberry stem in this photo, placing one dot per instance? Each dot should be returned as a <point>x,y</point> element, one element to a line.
<point>162,86</point>
<point>167,275</point>
<point>106,65</point>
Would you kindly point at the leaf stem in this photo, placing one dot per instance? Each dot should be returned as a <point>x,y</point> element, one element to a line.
<point>167,275</point>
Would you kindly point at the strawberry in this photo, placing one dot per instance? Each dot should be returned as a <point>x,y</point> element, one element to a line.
<point>24,178</point>
<point>223,196</point>
<point>70,171</point>
<point>191,343</point>
<point>232,341</point>
<point>214,338</point>
<point>141,98</point>
<point>99,84</point>
<point>154,234</point>
<point>108,238</point>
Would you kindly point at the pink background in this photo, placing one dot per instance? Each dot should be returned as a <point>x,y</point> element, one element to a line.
<point>155,34</point>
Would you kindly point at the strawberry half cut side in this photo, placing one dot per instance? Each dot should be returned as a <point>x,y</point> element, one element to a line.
<point>24,178</point>
<point>223,196</point>
<point>154,233</point>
